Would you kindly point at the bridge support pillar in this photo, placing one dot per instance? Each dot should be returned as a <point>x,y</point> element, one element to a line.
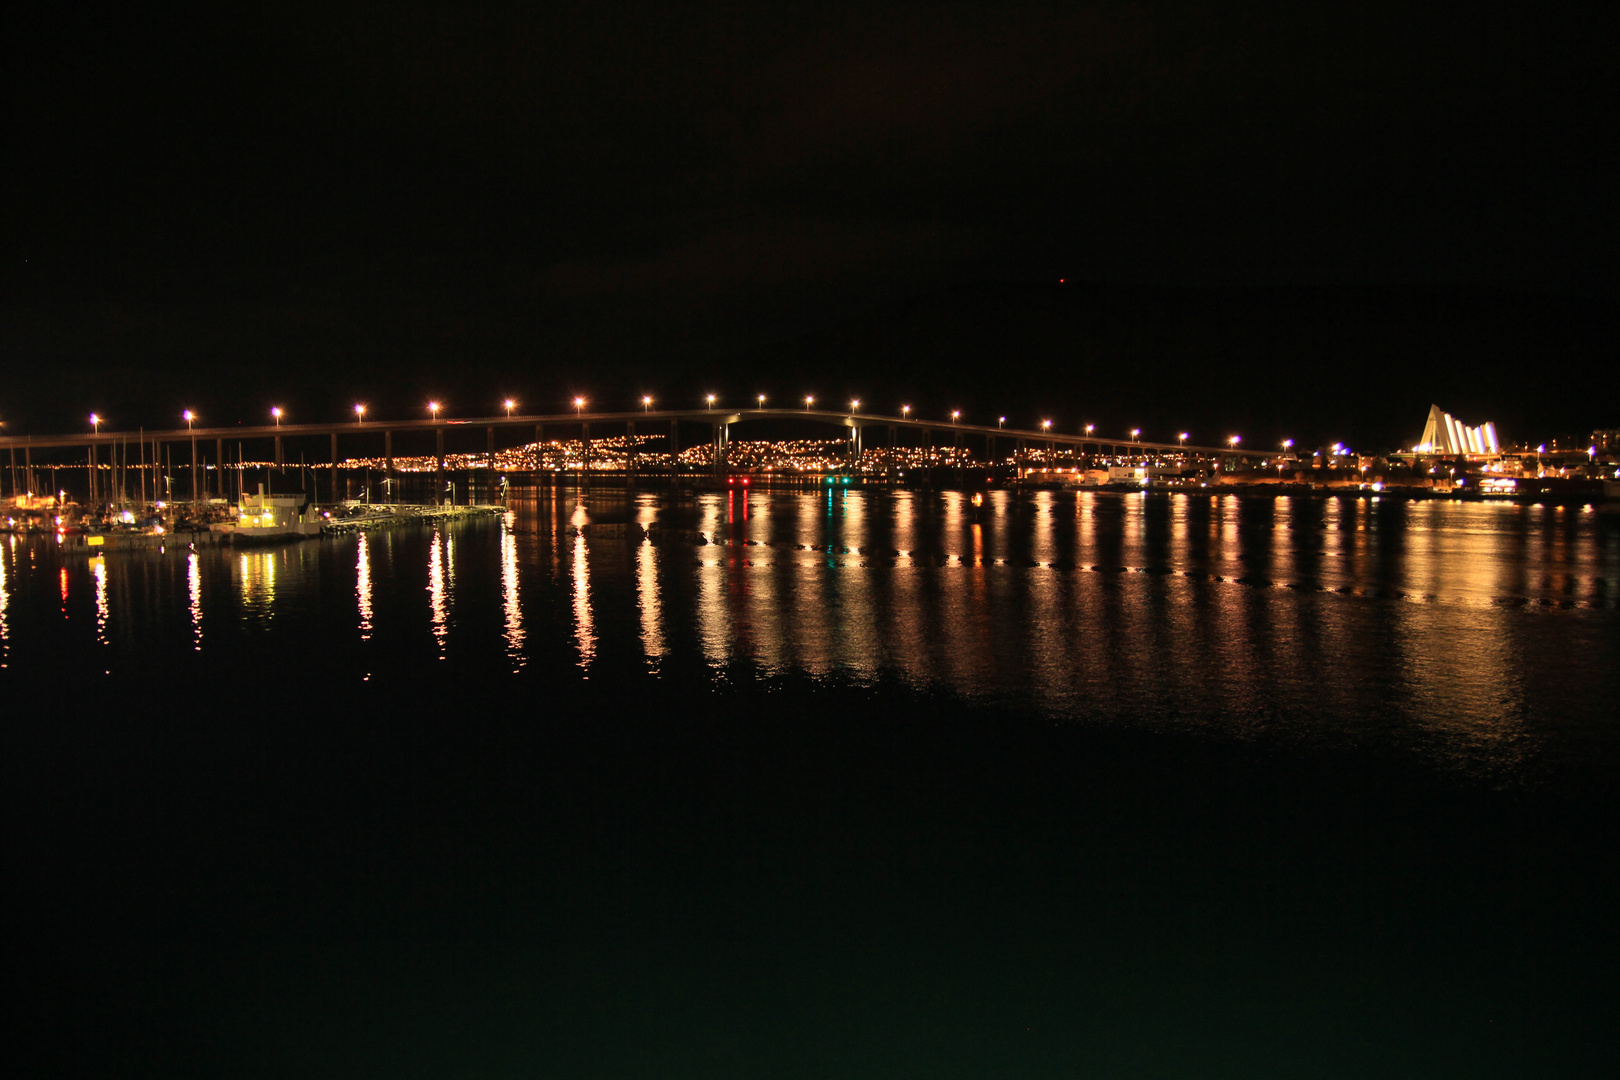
<point>438,467</point>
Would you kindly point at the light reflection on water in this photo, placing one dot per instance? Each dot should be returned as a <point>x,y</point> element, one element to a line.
<point>362,583</point>
<point>511,600</point>
<point>5,595</point>
<point>194,598</point>
<point>1466,629</point>
<point>438,591</point>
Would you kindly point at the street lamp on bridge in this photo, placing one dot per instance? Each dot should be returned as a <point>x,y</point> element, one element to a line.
<point>1135,433</point>
<point>95,424</point>
<point>762,401</point>
<point>1090,428</point>
<point>509,403</point>
<point>1001,421</point>
<point>579,406</point>
<point>433,407</point>
<point>808,400</point>
<point>905,412</point>
<point>188,416</point>
<point>359,414</point>
<point>1234,440</point>
<point>854,406</point>
<point>956,414</point>
<point>275,414</point>
<point>646,403</point>
<point>710,400</point>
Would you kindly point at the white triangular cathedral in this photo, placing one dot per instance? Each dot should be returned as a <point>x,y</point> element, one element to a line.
<point>1443,434</point>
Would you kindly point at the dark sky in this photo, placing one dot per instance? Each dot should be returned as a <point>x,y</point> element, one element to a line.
<point>655,194</point>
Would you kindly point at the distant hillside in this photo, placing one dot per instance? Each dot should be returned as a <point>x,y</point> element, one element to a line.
<point>1316,364</point>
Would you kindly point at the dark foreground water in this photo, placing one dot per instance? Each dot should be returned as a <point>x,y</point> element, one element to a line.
<point>855,785</point>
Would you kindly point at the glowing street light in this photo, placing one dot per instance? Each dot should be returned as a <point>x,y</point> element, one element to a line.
<point>359,414</point>
<point>1046,425</point>
<point>1288,444</point>
<point>1090,428</point>
<point>710,400</point>
<point>956,414</point>
<point>646,403</point>
<point>509,403</point>
<point>1234,440</point>
<point>95,424</point>
<point>1135,432</point>
<point>762,401</point>
<point>1001,421</point>
<point>275,414</point>
<point>808,400</point>
<point>433,407</point>
<point>579,406</point>
<point>188,416</point>
<point>905,412</point>
<point>1182,438</point>
<point>854,405</point>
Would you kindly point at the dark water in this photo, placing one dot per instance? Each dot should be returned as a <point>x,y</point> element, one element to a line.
<point>861,784</point>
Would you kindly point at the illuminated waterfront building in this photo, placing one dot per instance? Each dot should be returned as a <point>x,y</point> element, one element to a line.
<point>1443,434</point>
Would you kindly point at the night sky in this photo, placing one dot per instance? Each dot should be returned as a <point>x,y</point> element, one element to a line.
<point>1306,218</point>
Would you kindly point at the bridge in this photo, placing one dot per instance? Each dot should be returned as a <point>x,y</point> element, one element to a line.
<point>720,421</point>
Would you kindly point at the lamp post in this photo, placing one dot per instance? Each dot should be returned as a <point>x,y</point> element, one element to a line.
<point>359,415</point>
<point>646,403</point>
<point>1136,433</point>
<point>275,414</point>
<point>710,400</point>
<point>905,412</point>
<point>808,401</point>
<point>1182,438</point>
<point>509,403</point>
<point>189,417</point>
<point>1001,421</point>
<point>762,401</point>
<point>854,406</point>
<point>433,407</point>
<point>579,406</point>
<point>956,414</point>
